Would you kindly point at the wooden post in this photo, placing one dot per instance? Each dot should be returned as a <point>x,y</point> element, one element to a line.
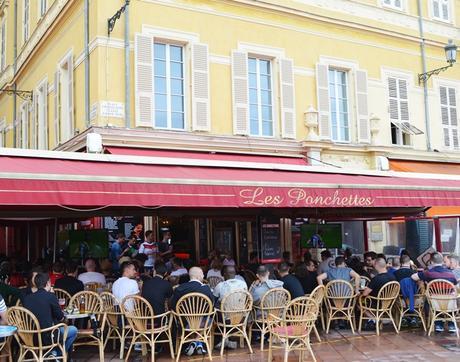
<point>366,236</point>
<point>437,234</point>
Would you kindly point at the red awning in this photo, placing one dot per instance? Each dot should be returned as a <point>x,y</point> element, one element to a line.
<point>44,178</point>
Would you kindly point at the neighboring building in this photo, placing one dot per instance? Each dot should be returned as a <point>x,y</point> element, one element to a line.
<point>333,81</point>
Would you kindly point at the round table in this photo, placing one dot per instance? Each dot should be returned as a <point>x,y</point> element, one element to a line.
<point>76,315</point>
<point>6,331</point>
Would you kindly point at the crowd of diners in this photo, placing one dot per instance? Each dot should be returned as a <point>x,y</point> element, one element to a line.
<point>162,279</point>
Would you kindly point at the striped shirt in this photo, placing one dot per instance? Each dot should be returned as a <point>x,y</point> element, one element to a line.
<point>437,272</point>
<point>2,305</point>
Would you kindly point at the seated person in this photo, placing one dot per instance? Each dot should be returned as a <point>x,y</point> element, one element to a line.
<point>56,272</point>
<point>125,285</point>
<point>216,268</point>
<point>45,306</point>
<point>340,272</point>
<point>69,282</point>
<point>290,282</point>
<point>229,285</point>
<point>157,290</point>
<point>178,267</point>
<point>405,270</point>
<point>263,284</point>
<point>91,275</point>
<point>195,285</point>
<point>306,274</point>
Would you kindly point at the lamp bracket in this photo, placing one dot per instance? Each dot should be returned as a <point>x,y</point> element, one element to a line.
<point>111,21</point>
<point>26,95</point>
<point>423,78</point>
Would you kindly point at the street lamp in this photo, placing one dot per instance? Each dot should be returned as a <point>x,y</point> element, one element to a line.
<point>451,57</point>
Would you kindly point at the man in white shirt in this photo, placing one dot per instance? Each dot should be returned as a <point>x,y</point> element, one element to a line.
<point>126,285</point>
<point>178,268</point>
<point>150,249</point>
<point>91,275</point>
<point>229,285</point>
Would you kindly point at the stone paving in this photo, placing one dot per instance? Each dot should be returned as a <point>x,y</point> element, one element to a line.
<point>408,346</point>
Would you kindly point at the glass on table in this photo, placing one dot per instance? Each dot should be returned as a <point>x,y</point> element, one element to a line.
<point>62,303</point>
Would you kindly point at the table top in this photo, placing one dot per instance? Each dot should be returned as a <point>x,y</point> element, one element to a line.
<point>6,331</point>
<point>76,315</point>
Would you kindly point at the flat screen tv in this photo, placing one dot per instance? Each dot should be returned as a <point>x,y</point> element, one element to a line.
<point>331,235</point>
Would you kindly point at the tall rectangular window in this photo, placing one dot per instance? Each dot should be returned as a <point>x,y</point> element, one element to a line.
<point>399,111</point>
<point>338,97</point>
<point>42,7</point>
<point>169,86</point>
<point>260,97</point>
<point>65,99</point>
<point>395,4</point>
<point>441,9</point>
<point>22,130</point>
<point>448,98</point>
<point>40,113</point>
<point>25,20</point>
<point>2,44</point>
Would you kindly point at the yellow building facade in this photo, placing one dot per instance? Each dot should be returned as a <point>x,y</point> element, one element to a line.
<point>334,80</point>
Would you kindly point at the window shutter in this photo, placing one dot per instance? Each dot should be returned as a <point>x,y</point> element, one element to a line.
<point>445,10</point>
<point>436,9</point>
<point>25,125</point>
<point>362,107</point>
<point>201,117</point>
<point>34,122</point>
<point>288,119</point>
<point>43,141</point>
<point>143,55</point>
<point>322,88</point>
<point>57,128</point>
<point>240,93</point>
<point>403,100</point>
<point>393,97</point>
<point>70,94</point>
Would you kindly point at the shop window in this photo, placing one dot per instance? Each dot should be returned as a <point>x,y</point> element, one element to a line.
<point>449,234</point>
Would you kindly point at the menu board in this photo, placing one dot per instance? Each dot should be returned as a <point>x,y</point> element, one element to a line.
<point>271,242</point>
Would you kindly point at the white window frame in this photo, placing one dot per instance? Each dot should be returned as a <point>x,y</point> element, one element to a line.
<point>349,114</point>
<point>66,130</point>
<point>3,127</point>
<point>185,74</point>
<point>399,129</point>
<point>259,101</point>
<point>25,20</point>
<point>403,6</point>
<point>447,85</point>
<point>42,7</point>
<point>450,11</point>
<point>3,37</point>
<point>41,125</point>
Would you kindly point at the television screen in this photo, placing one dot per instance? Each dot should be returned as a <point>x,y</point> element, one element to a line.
<point>88,243</point>
<point>330,235</point>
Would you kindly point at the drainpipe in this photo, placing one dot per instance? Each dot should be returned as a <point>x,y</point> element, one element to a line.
<point>86,39</point>
<point>425,83</point>
<point>127,71</point>
<point>15,55</point>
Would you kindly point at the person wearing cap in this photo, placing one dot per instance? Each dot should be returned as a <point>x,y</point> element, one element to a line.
<point>263,284</point>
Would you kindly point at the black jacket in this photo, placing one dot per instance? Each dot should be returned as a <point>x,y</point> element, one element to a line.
<point>157,290</point>
<point>192,286</point>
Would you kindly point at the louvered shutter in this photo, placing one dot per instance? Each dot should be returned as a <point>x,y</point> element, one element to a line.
<point>403,100</point>
<point>34,110</point>
<point>71,126</point>
<point>288,119</point>
<point>448,100</point>
<point>201,117</point>
<point>143,55</point>
<point>445,115</point>
<point>57,109</point>
<point>25,125</point>
<point>322,88</point>
<point>436,9</point>
<point>393,99</point>
<point>362,107</point>
<point>43,141</point>
<point>240,93</point>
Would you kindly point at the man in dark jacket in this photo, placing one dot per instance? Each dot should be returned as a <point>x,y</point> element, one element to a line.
<point>69,282</point>
<point>195,285</point>
<point>45,306</point>
<point>290,282</point>
<point>157,290</point>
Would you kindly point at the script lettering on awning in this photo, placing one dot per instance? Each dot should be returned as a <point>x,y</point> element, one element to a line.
<point>304,197</point>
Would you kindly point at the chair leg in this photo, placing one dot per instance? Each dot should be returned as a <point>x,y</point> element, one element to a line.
<point>360,324</point>
<point>262,337</point>
<point>270,349</point>
<point>133,341</point>
<point>208,346</point>
<point>286,351</point>
<point>316,333</point>
<point>222,343</point>
<point>328,323</point>
<point>122,345</point>
<point>245,336</point>
<point>101,351</point>
<point>350,319</point>
<point>171,347</point>
<point>311,352</point>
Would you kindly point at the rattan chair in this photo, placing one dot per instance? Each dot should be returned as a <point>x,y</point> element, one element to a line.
<point>5,349</point>
<point>30,337</point>
<point>272,303</point>
<point>147,328</point>
<point>232,317</point>
<point>93,307</point>
<point>194,315</point>
<point>118,329</point>
<point>419,306</point>
<point>214,280</point>
<point>318,295</point>
<point>62,294</point>
<point>340,303</point>
<point>294,327</point>
<point>380,308</point>
<point>442,298</point>
<point>92,286</point>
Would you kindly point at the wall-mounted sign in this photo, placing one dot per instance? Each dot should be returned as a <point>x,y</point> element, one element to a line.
<point>112,109</point>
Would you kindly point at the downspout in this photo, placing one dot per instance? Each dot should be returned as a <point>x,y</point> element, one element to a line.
<point>87,79</point>
<point>127,70</point>
<point>15,55</point>
<point>425,83</point>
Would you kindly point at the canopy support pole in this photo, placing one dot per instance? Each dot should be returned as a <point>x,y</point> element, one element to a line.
<point>437,234</point>
<point>28,241</point>
<point>55,239</point>
<point>366,236</point>
<point>6,240</point>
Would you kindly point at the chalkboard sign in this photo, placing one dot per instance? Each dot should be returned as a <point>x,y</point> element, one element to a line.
<point>271,243</point>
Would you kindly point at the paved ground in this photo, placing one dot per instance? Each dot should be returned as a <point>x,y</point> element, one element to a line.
<point>408,346</point>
